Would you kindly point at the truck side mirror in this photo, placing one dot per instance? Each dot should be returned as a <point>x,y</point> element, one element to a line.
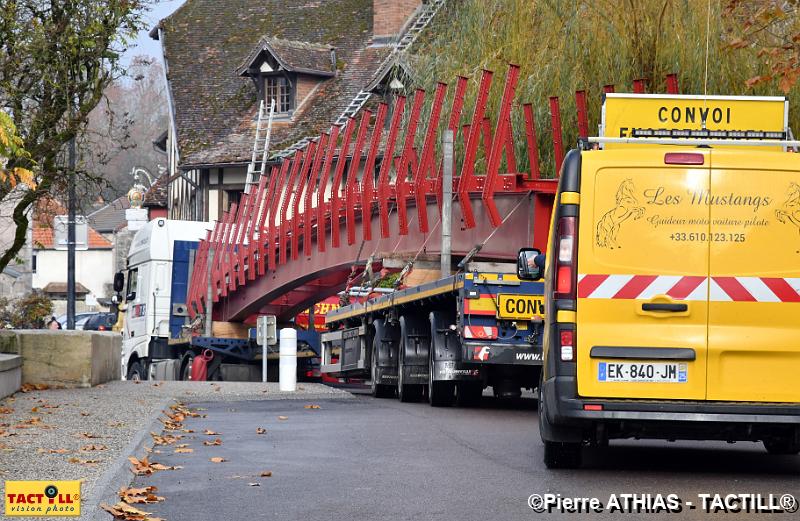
<point>130,296</point>
<point>530,264</point>
<point>119,281</point>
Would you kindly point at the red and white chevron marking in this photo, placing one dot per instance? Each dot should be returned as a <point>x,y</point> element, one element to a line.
<point>481,332</point>
<point>716,289</point>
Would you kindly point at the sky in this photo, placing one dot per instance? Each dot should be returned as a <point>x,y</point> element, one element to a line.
<point>144,44</point>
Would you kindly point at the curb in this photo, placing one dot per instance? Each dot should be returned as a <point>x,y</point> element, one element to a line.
<point>118,475</point>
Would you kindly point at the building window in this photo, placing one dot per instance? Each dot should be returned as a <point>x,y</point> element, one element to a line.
<point>279,89</point>
<point>33,263</point>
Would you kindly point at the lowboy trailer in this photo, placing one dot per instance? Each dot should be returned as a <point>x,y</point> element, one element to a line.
<point>448,339</point>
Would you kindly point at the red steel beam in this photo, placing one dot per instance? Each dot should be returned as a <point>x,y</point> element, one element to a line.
<point>236,242</point>
<point>337,181</point>
<point>639,85</point>
<point>555,119</point>
<point>471,149</point>
<point>255,228</point>
<point>224,270</point>
<point>283,239</point>
<point>351,185</point>
<point>426,161</point>
<point>323,186</point>
<point>384,189</point>
<point>583,115</point>
<point>530,137</point>
<point>273,236</point>
<point>265,244</point>
<point>672,83</point>
<point>455,118</point>
<point>368,177</point>
<point>217,244</point>
<point>503,127</point>
<point>607,89</point>
<point>308,211</point>
<point>406,160</point>
<point>298,195</point>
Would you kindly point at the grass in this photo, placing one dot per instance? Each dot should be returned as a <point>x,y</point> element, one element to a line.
<point>564,46</point>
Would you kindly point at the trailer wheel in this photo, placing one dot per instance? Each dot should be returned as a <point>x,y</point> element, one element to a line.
<point>378,390</point>
<point>186,366</point>
<point>406,392</point>
<point>440,394</point>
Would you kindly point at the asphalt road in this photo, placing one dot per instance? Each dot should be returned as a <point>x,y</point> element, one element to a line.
<point>380,459</point>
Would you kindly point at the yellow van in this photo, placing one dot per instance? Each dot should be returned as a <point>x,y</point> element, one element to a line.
<point>673,279</point>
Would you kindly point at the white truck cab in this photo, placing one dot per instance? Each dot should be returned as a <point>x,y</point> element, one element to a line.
<point>148,292</point>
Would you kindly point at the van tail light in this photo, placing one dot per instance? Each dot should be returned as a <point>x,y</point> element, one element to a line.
<point>101,328</point>
<point>567,345</point>
<point>567,248</point>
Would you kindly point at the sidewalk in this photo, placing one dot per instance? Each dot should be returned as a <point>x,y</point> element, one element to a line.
<point>88,434</point>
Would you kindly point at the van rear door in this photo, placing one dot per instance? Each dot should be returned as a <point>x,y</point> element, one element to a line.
<point>643,256</point>
<point>754,293</point>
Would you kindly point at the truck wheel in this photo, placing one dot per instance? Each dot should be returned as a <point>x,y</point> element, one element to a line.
<point>559,455</point>
<point>136,372</point>
<point>468,394</point>
<point>378,390</point>
<point>440,394</point>
<point>782,446</point>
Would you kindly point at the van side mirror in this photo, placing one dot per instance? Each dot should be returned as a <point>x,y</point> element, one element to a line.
<point>119,281</point>
<point>530,264</point>
<point>130,296</point>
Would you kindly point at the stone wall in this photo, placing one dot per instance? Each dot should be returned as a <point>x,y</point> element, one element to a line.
<point>65,358</point>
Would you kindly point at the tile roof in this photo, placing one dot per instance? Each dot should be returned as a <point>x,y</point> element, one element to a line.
<point>215,108</point>
<point>111,217</point>
<point>294,56</point>
<point>157,195</point>
<point>61,287</point>
<point>42,228</point>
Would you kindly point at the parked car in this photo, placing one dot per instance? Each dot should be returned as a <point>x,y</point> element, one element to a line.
<point>100,322</point>
<point>80,320</point>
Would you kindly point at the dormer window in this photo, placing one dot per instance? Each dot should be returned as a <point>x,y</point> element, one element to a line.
<point>277,67</point>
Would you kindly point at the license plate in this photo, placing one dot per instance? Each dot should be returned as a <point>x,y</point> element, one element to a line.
<point>520,307</point>
<point>664,372</point>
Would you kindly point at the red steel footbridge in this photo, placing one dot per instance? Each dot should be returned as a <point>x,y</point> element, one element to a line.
<point>370,191</point>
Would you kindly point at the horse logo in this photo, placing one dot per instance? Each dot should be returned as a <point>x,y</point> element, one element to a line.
<point>790,211</point>
<point>627,206</point>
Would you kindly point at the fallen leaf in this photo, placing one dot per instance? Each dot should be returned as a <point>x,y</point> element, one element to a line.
<point>85,414</point>
<point>92,447</point>
<point>266,474</point>
<point>26,388</point>
<point>261,430</point>
<point>215,442</point>
<point>139,495</point>
<point>52,451</point>
<point>182,446</point>
<point>183,450</point>
<point>84,461</point>
<point>210,432</point>
<point>313,406</point>
<point>89,436</point>
<point>115,423</point>
<point>159,384</point>
<point>137,381</point>
<point>6,410</point>
<point>283,417</point>
<point>254,484</point>
<point>128,513</point>
<point>218,460</point>
<point>35,410</point>
<point>166,439</point>
<point>143,467</point>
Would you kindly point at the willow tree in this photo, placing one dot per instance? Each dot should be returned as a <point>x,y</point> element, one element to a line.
<point>56,59</point>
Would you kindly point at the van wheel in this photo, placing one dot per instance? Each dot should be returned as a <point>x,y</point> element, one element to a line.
<point>782,446</point>
<point>136,372</point>
<point>558,455</point>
